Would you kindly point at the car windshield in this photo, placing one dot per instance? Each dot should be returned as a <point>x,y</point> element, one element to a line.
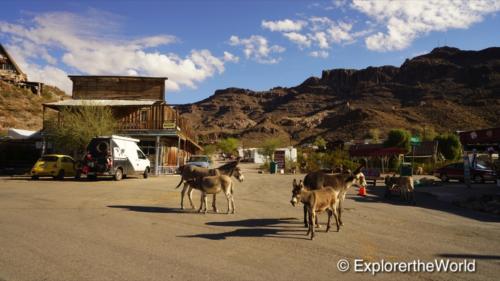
<point>479,166</point>
<point>198,159</point>
<point>49,158</point>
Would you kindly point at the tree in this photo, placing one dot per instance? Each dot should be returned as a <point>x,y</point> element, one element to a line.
<point>269,146</point>
<point>398,138</point>
<point>320,143</point>
<point>210,149</point>
<point>229,145</point>
<point>78,126</point>
<point>374,134</point>
<point>427,133</point>
<point>449,145</point>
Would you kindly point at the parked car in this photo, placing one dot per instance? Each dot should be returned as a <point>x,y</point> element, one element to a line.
<point>55,165</point>
<point>199,160</point>
<point>115,156</point>
<point>455,171</point>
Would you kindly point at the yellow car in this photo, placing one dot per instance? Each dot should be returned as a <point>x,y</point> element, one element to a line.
<point>55,165</point>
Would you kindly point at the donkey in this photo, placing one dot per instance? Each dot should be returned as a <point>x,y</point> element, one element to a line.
<point>340,182</point>
<point>190,172</point>
<point>214,185</point>
<point>188,187</point>
<point>316,201</point>
<point>403,184</point>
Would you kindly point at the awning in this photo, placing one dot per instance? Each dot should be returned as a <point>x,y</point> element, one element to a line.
<point>71,102</point>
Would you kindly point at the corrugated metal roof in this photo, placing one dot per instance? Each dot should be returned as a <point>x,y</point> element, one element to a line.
<point>72,102</point>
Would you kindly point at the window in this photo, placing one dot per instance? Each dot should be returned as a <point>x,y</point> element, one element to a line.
<point>141,155</point>
<point>49,158</point>
<point>67,160</point>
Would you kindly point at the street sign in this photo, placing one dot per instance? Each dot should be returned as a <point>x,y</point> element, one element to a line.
<point>415,140</point>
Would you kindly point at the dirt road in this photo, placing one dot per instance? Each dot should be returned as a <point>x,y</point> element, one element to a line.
<point>134,230</point>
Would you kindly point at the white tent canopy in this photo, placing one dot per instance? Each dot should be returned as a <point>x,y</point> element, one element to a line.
<point>19,134</point>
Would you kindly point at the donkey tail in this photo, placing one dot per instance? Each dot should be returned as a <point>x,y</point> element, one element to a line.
<point>182,179</point>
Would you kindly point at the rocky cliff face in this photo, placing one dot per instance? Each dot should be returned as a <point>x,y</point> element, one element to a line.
<point>447,89</point>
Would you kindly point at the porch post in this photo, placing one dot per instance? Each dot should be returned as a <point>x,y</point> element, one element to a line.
<point>178,149</point>
<point>157,156</point>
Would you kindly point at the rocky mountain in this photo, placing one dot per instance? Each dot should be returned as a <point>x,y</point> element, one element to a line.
<point>448,89</point>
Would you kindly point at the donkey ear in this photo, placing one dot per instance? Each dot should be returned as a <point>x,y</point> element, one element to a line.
<point>294,182</point>
<point>358,170</point>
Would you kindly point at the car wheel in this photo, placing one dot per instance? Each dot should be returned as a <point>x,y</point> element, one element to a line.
<point>34,178</point>
<point>118,174</point>
<point>444,178</point>
<point>60,175</point>
<point>478,179</point>
<point>146,173</point>
<point>78,174</point>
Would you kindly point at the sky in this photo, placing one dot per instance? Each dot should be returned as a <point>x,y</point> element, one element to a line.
<point>202,46</point>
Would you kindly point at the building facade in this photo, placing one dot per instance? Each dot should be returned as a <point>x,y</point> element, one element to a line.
<point>140,108</point>
<point>10,72</point>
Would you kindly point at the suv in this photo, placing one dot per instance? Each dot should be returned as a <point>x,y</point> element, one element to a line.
<point>479,174</point>
<point>199,160</point>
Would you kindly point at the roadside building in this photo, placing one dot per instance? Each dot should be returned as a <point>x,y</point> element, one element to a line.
<point>139,105</point>
<point>10,72</point>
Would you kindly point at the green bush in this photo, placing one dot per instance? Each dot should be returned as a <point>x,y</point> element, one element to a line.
<point>229,145</point>
<point>78,126</point>
<point>449,145</point>
<point>269,146</point>
<point>398,138</point>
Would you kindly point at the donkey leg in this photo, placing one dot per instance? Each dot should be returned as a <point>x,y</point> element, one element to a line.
<point>305,216</point>
<point>329,219</point>
<point>214,206</point>
<point>183,192</point>
<point>205,202</point>
<point>311,226</point>
<point>336,217</point>
<point>201,202</point>
<point>232,202</point>
<point>190,196</point>
<point>339,212</point>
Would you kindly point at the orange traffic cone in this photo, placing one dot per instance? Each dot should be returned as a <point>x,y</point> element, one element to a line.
<point>362,191</point>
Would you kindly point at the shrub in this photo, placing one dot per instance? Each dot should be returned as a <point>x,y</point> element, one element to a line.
<point>398,138</point>
<point>449,145</point>
<point>78,126</point>
<point>229,145</point>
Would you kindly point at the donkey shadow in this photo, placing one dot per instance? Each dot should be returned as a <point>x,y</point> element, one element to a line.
<point>269,227</point>
<point>149,209</point>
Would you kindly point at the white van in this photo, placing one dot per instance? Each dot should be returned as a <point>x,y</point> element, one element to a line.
<point>115,156</point>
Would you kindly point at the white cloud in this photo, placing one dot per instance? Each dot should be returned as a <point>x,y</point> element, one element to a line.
<point>230,57</point>
<point>407,20</point>
<point>90,44</point>
<point>285,25</point>
<point>322,32</point>
<point>297,38</point>
<point>257,48</point>
<point>319,54</point>
<point>322,40</point>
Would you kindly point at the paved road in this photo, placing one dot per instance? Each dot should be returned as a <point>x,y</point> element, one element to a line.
<point>134,230</point>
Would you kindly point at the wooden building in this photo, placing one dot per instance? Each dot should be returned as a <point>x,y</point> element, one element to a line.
<point>10,72</point>
<point>139,105</point>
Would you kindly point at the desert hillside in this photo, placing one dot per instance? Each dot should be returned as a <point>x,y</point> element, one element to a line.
<point>447,89</point>
<point>21,109</point>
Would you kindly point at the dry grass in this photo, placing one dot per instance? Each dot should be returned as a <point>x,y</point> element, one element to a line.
<point>20,108</point>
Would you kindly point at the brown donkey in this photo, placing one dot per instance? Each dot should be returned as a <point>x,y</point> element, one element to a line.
<point>316,201</point>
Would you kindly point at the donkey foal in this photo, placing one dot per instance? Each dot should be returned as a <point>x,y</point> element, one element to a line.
<point>316,201</point>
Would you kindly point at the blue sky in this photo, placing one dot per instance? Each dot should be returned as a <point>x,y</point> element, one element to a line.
<point>202,46</point>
